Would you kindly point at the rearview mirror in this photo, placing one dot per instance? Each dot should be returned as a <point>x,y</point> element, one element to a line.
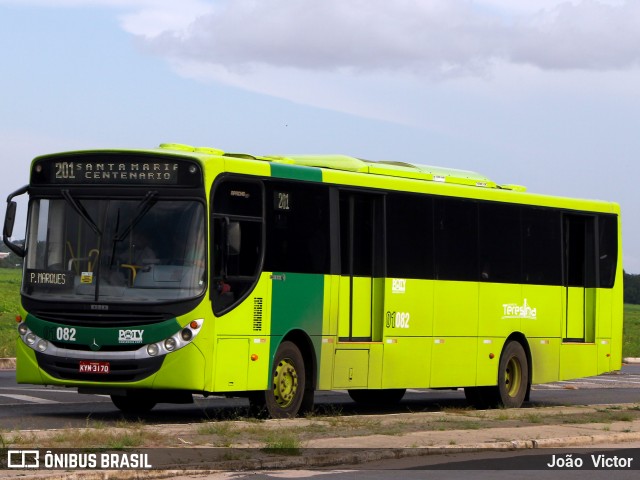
<point>234,238</point>
<point>10,220</point>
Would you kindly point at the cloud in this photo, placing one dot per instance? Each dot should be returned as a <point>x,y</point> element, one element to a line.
<point>425,37</point>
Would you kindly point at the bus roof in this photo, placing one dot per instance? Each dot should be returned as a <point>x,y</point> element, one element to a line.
<point>346,163</point>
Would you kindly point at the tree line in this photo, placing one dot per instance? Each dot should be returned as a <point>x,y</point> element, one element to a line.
<point>631,288</point>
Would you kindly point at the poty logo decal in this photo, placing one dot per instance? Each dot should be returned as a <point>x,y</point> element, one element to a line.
<point>130,336</point>
<point>398,285</point>
<point>513,310</point>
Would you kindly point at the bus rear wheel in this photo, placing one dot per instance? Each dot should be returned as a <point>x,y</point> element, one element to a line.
<point>134,402</point>
<point>513,381</point>
<point>288,394</point>
<point>513,375</point>
<point>377,397</point>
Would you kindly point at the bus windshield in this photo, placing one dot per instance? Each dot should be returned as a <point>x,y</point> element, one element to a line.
<point>146,250</point>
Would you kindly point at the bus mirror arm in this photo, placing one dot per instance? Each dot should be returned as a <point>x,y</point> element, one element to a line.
<point>9,221</point>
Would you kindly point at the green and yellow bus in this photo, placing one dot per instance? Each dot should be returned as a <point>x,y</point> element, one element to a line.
<point>153,275</point>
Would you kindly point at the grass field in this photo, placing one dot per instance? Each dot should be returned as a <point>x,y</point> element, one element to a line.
<point>10,289</point>
<point>9,301</point>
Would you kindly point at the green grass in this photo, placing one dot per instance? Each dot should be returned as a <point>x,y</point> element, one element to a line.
<point>9,302</point>
<point>10,297</point>
<point>631,333</point>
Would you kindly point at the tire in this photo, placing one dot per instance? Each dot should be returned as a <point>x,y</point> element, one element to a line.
<point>134,402</point>
<point>513,376</point>
<point>288,394</point>
<point>377,397</point>
<point>513,382</point>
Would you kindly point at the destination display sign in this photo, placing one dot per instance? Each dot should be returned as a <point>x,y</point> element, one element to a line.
<point>115,170</point>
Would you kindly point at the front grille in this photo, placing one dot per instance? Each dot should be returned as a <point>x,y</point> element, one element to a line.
<point>120,370</point>
<point>128,347</point>
<point>101,319</point>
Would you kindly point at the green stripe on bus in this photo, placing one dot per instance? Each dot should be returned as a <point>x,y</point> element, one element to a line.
<point>297,304</point>
<point>296,172</point>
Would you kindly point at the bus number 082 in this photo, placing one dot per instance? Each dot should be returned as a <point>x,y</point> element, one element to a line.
<point>66,334</point>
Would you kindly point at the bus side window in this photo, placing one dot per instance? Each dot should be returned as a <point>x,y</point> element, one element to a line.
<point>456,239</point>
<point>298,227</point>
<point>608,249</point>
<point>542,246</point>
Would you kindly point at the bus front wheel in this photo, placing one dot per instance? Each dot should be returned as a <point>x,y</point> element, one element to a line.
<point>288,393</point>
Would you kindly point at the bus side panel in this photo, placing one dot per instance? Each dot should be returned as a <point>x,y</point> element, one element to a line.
<point>545,358</point>
<point>27,370</point>
<point>549,305</point>
<point>407,361</point>
<point>455,328</point>
<point>578,360</point>
<point>408,307</point>
<point>453,361</point>
<point>617,316</point>
<point>604,309</point>
<point>408,326</point>
<point>250,321</point>
<point>488,365</point>
<point>455,311</point>
<point>183,369</point>
<point>297,304</point>
<point>494,318</point>
<point>329,331</point>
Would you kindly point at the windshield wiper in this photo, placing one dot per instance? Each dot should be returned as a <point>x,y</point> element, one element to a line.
<point>81,211</point>
<point>141,210</point>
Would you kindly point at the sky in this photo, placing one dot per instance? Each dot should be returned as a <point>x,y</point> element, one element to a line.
<point>541,93</point>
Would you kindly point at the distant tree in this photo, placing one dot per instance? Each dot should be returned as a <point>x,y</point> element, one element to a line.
<point>631,288</point>
<point>12,261</point>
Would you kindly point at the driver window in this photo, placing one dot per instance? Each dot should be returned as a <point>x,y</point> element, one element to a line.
<point>237,241</point>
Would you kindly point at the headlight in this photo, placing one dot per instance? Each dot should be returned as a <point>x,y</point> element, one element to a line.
<point>170,344</point>
<point>31,338</point>
<point>152,350</point>
<point>42,345</point>
<point>186,334</point>
<point>23,329</point>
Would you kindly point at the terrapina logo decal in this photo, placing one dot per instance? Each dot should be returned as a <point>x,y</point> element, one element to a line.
<point>513,310</point>
<point>130,336</point>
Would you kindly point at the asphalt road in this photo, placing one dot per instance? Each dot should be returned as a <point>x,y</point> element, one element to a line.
<point>39,407</point>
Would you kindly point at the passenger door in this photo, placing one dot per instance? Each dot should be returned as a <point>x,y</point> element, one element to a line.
<point>580,277</point>
<point>362,282</point>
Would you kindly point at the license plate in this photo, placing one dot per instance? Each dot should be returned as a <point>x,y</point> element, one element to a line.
<point>94,367</point>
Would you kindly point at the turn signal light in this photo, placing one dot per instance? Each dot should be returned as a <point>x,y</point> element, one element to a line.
<point>18,318</point>
<point>194,325</point>
<point>254,357</point>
